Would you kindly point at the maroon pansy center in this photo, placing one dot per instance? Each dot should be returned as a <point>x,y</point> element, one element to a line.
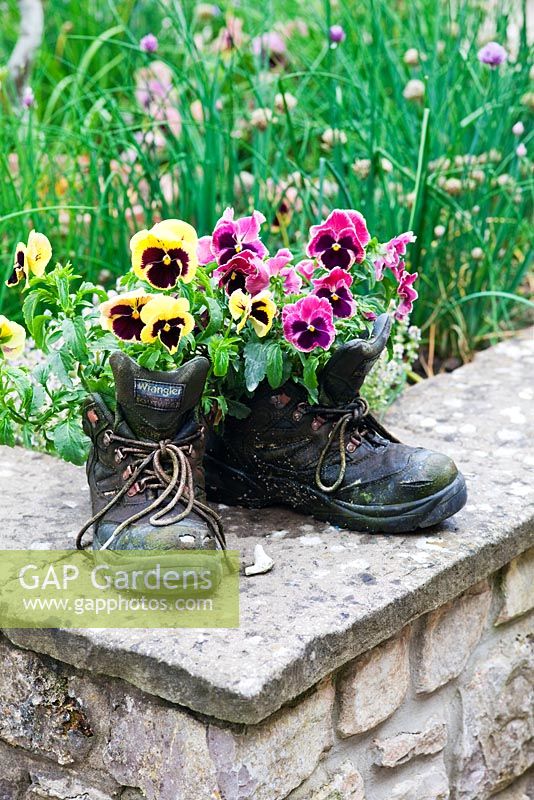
<point>126,321</point>
<point>169,331</point>
<point>310,334</point>
<point>18,269</point>
<point>339,298</point>
<point>164,267</point>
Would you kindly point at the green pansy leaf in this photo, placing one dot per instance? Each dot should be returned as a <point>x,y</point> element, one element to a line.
<point>255,364</point>
<point>70,442</point>
<point>7,434</point>
<point>275,365</point>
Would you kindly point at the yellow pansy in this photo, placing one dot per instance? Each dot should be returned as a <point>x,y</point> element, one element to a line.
<point>260,310</point>
<point>167,319</point>
<point>165,254</point>
<point>31,258</point>
<point>122,315</point>
<point>12,338</point>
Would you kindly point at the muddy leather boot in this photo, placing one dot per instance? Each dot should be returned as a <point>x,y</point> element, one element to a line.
<point>145,468</point>
<point>332,460</point>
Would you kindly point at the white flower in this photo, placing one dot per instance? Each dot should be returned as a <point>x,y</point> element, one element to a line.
<point>261,118</point>
<point>518,129</point>
<point>414,90</point>
<point>333,136</point>
<point>477,254</point>
<point>290,102</point>
<point>439,231</point>
<point>411,57</point>
<point>362,168</point>
<point>521,150</point>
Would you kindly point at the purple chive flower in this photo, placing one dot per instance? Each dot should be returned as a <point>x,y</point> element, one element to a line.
<point>407,295</point>
<point>493,54</point>
<point>309,323</point>
<point>243,271</point>
<point>336,34</point>
<point>231,237</point>
<point>339,241</point>
<point>28,97</point>
<point>279,265</point>
<point>149,43</point>
<point>335,287</point>
<point>521,150</point>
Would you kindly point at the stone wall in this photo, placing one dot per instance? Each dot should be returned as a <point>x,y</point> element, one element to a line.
<point>443,709</point>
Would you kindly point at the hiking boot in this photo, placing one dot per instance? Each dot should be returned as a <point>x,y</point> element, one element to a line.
<point>332,460</point>
<point>145,468</point>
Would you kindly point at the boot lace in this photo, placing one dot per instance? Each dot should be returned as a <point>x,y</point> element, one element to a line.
<point>354,416</point>
<point>173,481</point>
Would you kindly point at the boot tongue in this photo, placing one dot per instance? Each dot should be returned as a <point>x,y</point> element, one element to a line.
<point>155,405</point>
<point>344,374</point>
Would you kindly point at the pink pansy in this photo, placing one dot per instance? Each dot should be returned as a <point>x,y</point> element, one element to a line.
<point>390,255</point>
<point>309,323</point>
<point>231,37</point>
<point>407,295</point>
<point>306,268</point>
<point>370,315</point>
<point>244,271</point>
<point>335,288</point>
<point>279,265</point>
<point>233,236</point>
<point>339,241</point>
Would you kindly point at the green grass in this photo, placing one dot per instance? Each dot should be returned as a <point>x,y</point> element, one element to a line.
<point>87,117</point>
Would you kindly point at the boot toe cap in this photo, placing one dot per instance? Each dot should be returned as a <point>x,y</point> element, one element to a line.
<point>429,472</point>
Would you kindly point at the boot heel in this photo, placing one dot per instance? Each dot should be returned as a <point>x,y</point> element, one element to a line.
<point>232,487</point>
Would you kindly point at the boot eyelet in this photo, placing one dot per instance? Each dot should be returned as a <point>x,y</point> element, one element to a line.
<point>106,438</point>
<point>119,456</point>
<point>316,424</point>
<point>297,416</point>
<point>351,447</point>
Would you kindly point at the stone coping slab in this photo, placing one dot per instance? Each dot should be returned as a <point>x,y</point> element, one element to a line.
<point>332,594</point>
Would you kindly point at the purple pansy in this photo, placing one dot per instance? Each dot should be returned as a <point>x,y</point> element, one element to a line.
<point>309,323</point>
<point>244,271</point>
<point>279,265</point>
<point>335,288</point>
<point>493,54</point>
<point>231,237</point>
<point>339,241</point>
<point>407,295</point>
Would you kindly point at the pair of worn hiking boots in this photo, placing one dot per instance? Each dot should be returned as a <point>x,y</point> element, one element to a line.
<point>154,459</point>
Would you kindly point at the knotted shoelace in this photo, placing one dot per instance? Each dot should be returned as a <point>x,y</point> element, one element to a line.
<point>150,472</point>
<point>356,415</point>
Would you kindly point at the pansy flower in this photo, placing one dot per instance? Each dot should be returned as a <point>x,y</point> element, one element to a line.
<point>232,237</point>
<point>260,310</point>
<point>306,268</point>
<point>122,315</point>
<point>340,240</point>
<point>407,295</point>
<point>244,271</point>
<point>30,259</point>
<point>335,287</point>
<point>390,255</point>
<point>165,254</point>
<point>12,338</point>
<point>309,323</point>
<point>167,319</point>
<point>279,265</point>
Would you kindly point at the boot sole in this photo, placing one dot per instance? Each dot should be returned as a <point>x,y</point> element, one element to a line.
<point>231,486</point>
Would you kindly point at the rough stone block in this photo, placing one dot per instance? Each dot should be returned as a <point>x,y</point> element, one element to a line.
<point>158,749</point>
<point>447,636</point>
<point>522,789</point>
<point>37,710</point>
<point>373,687</point>
<point>13,776</point>
<point>267,761</point>
<point>345,784</point>
<point>517,587</point>
<point>402,747</point>
<point>429,784</point>
<point>497,742</point>
<point>63,788</point>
